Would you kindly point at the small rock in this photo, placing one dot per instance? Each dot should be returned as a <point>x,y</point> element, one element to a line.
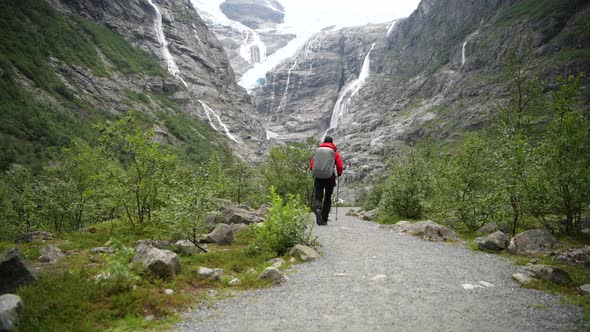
<point>532,242</point>
<point>574,256</point>
<point>162,263</point>
<point>34,236</point>
<point>11,311</point>
<point>149,318</point>
<point>292,260</point>
<point>212,293</point>
<point>274,275</point>
<point>305,253</point>
<point>496,241</point>
<point>550,273</point>
<point>251,271</point>
<point>168,291</point>
<point>584,289</point>
<point>51,254</point>
<point>523,278</point>
<point>276,262</point>
<point>437,233</point>
<point>534,261</point>
<point>103,250</point>
<point>213,274</point>
<point>222,234</point>
<point>235,282</point>
<point>15,272</point>
<point>379,277</point>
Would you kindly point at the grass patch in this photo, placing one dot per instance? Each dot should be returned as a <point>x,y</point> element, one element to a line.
<point>539,9</point>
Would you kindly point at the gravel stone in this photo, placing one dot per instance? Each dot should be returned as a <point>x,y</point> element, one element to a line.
<point>422,292</point>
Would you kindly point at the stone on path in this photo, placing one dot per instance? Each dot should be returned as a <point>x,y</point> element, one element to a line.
<point>276,262</point>
<point>11,311</point>
<point>379,277</point>
<point>273,274</point>
<point>15,272</point>
<point>222,234</point>
<point>51,254</point>
<point>523,278</point>
<point>496,241</point>
<point>532,242</point>
<point>305,253</point>
<point>162,263</point>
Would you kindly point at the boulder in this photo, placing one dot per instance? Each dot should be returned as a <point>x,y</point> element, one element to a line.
<point>238,217</point>
<point>51,254</point>
<point>34,236</point>
<point>532,242</point>
<point>305,253</point>
<point>222,234</point>
<point>436,232</point>
<point>496,241</point>
<point>550,273</point>
<point>11,311</point>
<point>237,228</point>
<point>487,229</point>
<point>369,215</point>
<point>574,256</point>
<point>213,274</point>
<point>15,272</point>
<point>161,263</point>
<point>187,248</point>
<point>273,274</point>
<point>523,278</point>
<point>103,250</point>
<point>263,211</point>
<point>160,244</point>
<point>584,289</point>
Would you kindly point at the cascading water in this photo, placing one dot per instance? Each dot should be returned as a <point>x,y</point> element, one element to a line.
<point>171,64</point>
<point>349,91</point>
<point>208,112</point>
<point>463,56</point>
<point>464,47</point>
<point>285,98</point>
<point>390,28</point>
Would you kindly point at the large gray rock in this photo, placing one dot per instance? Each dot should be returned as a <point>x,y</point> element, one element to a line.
<point>273,274</point>
<point>222,234</point>
<point>435,232</point>
<point>161,263</point>
<point>496,241</point>
<point>240,215</point>
<point>238,228</point>
<point>187,248</point>
<point>51,254</point>
<point>11,311</point>
<point>532,242</point>
<point>34,236</point>
<point>305,253</point>
<point>15,272</point>
<point>160,244</point>
<point>550,273</point>
<point>487,229</point>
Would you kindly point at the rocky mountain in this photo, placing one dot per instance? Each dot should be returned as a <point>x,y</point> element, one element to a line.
<point>436,73</point>
<point>248,29</point>
<point>193,84</point>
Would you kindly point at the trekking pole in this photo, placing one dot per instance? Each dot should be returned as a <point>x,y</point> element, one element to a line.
<point>337,192</point>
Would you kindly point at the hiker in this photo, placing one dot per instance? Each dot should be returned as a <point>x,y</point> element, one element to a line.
<point>322,168</point>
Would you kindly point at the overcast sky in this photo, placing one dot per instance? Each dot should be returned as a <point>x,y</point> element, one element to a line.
<point>314,14</point>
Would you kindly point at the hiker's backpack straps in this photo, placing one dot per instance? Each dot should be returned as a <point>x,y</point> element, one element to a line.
<point>323,164</point>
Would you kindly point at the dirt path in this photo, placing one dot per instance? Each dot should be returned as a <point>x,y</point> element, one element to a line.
<point>371,279</point>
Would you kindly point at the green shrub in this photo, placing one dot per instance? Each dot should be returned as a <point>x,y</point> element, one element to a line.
<point>287,224</point>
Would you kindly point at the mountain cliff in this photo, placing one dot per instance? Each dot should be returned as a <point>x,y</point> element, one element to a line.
<point>436,73</point>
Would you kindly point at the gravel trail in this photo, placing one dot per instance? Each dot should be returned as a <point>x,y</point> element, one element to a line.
<point>371,279</point>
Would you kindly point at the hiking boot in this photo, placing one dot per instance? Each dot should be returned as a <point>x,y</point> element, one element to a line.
<point>318,217</point>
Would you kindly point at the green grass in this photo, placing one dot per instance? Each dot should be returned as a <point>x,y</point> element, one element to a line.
<point>540,9</point>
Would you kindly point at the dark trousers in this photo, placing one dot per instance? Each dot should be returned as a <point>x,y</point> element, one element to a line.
<point>323,193</point>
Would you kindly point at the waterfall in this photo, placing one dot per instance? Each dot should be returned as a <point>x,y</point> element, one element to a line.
<point>283,103</point>
<point>463,56</point>
<point>390,27</point>
<point>345,95</point>
<point>208,112</point>
<point>172,67</point>
<point>254,51</point>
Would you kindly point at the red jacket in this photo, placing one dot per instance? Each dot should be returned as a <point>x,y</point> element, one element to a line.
<point>337,159</point>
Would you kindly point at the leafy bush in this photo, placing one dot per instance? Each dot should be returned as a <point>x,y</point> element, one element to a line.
<point>118,274</point>
<point>287,224</point>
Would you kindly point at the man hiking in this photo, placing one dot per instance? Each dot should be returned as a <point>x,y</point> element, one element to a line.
<point>322,168</point>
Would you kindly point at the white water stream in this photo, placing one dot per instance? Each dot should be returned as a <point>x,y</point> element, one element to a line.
<point>171,64</point>
<point>463,56</point>
<point>285,98</point>
<point>349,91</point>
<point>208,112</point>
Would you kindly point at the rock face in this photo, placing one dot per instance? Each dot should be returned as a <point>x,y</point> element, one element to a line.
<point>254,14</point>
<point>51,254</point>
<point>11,311</point>
<point>34,236</point>
<point>15,272</point>
<point>200,79</point>
<point>435,73</point>
<point>273,274</point>
<point>222,234</point>
<point>532,242</point>
<point>496,241</point>
<point>161,263</point>
<point>305,253</point>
